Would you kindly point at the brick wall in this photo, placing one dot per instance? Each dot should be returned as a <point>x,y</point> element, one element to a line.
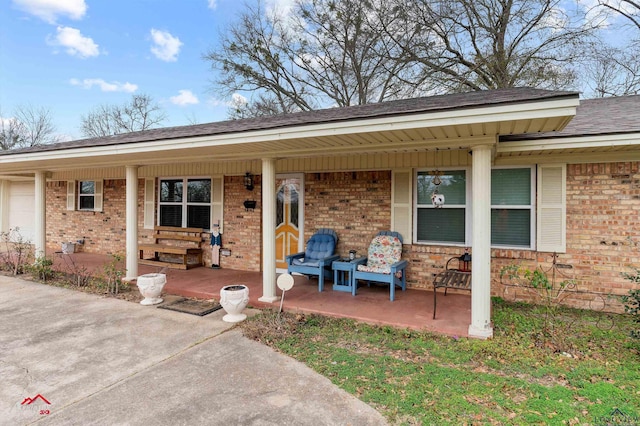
<point>103,232</point>
<point>603,206</point>
<point>242,229</point>
<point>356,205</point>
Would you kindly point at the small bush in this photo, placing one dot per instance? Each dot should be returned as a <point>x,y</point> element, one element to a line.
<point>77,275</point>
<point>42,268</point>
<point>113,273</point>
<point>16,253</point>
<point>554,330</point>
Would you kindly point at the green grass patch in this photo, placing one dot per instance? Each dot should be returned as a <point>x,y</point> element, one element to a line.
<point>415,377</point>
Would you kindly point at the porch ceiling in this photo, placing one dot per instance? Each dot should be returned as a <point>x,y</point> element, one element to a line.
<point>457,129</point>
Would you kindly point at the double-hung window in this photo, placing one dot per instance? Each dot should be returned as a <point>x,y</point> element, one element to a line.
<point>512,207</point>
<point>86,194</point>
<point>447,224</point>
<point>185,202</point>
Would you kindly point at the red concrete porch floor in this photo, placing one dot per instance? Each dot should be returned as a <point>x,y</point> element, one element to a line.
<point>412,309</point>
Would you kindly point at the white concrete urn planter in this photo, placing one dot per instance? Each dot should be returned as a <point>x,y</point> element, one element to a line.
<point>150,286</point>
<point>234,298</point>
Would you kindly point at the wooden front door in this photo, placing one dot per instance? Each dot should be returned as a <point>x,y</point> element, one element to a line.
<point>288,218</point>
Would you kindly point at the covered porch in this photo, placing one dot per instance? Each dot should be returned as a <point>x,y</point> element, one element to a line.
<point>395,141</point>
<point>412,309</point>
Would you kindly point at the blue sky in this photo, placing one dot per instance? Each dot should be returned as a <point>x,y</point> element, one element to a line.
<point>71,56</point>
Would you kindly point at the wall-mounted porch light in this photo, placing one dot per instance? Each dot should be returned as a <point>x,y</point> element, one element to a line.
<point>248,181</point>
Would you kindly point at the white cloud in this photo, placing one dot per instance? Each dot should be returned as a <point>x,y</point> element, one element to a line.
<point>556,19</point>
<point>603,16</point>
<point>166,47</point>
<point>186,97</point>
<point>75,43</point>
<point>115,86</point>
<point>212,4</point>
<point>283,8</point>
<point>237,100</point>
<point>49,10</point>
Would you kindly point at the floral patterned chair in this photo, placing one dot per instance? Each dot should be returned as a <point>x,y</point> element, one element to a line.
<point>382,264</point>
<point>317,257</point>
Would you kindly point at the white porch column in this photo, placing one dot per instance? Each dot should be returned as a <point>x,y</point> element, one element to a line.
<point>40,227</point>
<point>481,235</point>
<point>4,205</point>
<point>268,230</point>
<point>132,221</point>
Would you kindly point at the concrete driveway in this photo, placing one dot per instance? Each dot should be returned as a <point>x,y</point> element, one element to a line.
<point>72,358</point>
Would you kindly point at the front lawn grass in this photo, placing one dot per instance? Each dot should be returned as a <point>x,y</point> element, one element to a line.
<point>518,377</point>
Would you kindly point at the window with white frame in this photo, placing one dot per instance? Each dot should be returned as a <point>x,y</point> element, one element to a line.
<point>185,202</point>
<point>447,224</point>
<point>512,208</point>
<point>86,195</point>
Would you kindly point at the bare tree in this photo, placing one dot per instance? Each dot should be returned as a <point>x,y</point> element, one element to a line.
<point>630,9</point>
<point>140,113</point>
<point>30,126</point>
<point>491,44</point>
<point>326,53</point>
<point>611,71</point>
<point>263,104</point>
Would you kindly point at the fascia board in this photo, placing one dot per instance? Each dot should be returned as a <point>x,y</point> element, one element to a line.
<point>500,113</point>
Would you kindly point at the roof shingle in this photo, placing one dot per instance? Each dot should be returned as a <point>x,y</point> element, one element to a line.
<point>371,111</point>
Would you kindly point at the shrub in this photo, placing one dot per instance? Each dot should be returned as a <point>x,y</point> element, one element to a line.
<point>554,330</point>
<point>113,273</point>
<point>16,253</point>
<point>42,268</point>
<point>78,275</point>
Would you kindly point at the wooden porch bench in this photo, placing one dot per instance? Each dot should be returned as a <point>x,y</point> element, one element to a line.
<point>185,244</point>
<point>450,278</point>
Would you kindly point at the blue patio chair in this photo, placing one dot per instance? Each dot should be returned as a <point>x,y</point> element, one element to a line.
<point>382,264</point>
<point>317,257</point>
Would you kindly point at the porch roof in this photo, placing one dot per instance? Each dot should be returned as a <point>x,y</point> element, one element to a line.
<point>605,129</point>
<point>438,122</point>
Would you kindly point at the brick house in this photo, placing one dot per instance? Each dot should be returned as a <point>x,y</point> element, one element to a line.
<point>525,173</point>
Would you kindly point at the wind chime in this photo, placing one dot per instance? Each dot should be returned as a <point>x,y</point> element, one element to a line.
<point>437,199</point>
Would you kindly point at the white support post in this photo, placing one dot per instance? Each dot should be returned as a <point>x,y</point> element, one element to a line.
<point>131,222</point>
<point>40,226</point>
<point>268,231</point>
<point>4,205</point>
<point>481,234</point>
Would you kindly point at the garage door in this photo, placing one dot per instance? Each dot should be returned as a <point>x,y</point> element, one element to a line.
<point>21,208</point>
